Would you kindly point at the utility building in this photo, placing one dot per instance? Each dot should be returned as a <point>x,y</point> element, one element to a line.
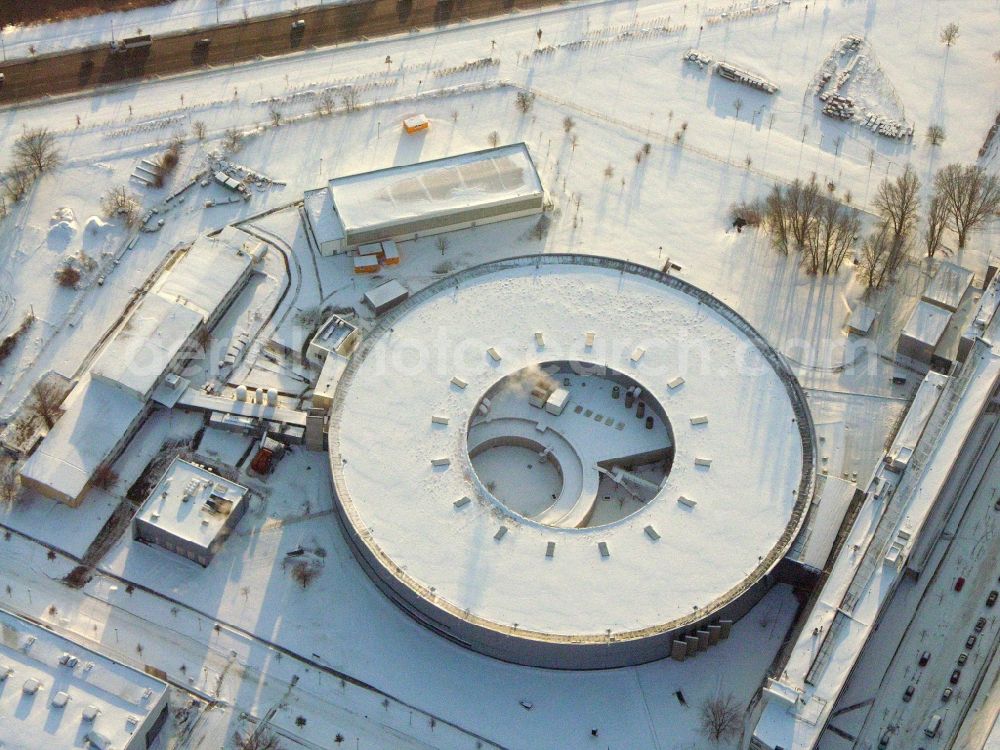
<point>427,198</point>
<point>191,511</point>
<point>58,695</point>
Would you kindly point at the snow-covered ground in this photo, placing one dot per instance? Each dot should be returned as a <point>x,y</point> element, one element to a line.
<point>619,77</point>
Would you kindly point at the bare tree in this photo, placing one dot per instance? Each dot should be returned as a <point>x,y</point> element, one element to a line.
<point>937,219</point>
<point>199,129</point>
<point>118,202</point>
<point>568,123</point>
<point>326,103</point>
<point>46,398</point>
<point>832,234</point>
<point>260,738</point>
<point>897,201</point>
<point>721,718</point>
<point>493,138</point>
<point>935,135</point>
<point>276,115</point>
<point>737,105</point>
<point>875,250</point>
<point>971,196</point>
<point>36,149</point>
<point>10,485</point>
<point>68,276</point>
<point>16,181</point>
<point>524,101</point>
<point>105,477</point>
<point>232,141</point>
<point>350,98</point>
<point>949,34</point>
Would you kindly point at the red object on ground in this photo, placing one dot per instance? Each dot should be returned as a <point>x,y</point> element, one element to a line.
<point>959,583</point>
<point>262,461</point>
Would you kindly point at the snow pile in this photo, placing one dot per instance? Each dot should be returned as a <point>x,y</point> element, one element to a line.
<point>95,225</point>
<point>62,227</point>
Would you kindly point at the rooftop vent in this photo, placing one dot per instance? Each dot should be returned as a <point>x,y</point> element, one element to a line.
<point>60,699</point>
<point>31,686</point>
<point>90,712</point>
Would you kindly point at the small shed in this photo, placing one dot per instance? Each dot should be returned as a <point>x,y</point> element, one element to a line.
<point>948,287</point>
<point>385,297</point>
<point>922,332</point>
<point>416,123</point>
<point>366,264</point>
<point>862,319</point>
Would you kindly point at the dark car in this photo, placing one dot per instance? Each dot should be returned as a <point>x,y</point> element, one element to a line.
<point>962,658</point>
<point>996,505</point>
<point>970,641</point>
<point>908,693</point>
<point>955,676</point>
<point>946,695</point>
<point>992,598</point>
<point>924,658</point>
<point>980,624</point>
<point>959,583</point>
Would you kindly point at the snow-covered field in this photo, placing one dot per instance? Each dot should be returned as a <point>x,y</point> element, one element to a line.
<point>618,75</point>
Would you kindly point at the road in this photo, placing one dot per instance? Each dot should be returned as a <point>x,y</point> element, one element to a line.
<point>232,43</point>
<point>943,620</point>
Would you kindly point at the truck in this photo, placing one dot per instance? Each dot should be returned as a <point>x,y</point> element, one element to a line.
<point>131,43</point>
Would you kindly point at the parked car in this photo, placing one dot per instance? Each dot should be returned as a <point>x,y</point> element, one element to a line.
<point>908,693</point>
<point>962,658</point>
<point>970,641</point>
<point>992,598</point>
<point>933,725</point>
<point>924,658</point>
<point>946,695</point>
<point>996,505</point>
<point>980,624</point>
<point>884,740</point>
<point>959,583</point>
<point>955,676</point>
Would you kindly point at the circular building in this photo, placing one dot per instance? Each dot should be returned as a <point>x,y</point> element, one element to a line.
<point>570,461</point>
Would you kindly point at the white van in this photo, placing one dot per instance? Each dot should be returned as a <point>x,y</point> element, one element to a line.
<point>933,725</point>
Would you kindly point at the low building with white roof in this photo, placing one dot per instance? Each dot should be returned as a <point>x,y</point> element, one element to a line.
<point>922,332</point>
<point>58,695</point>
<point>949,286</point>
<point>107,406</point>
<point>98,420</point>
<point>151,343</point>
<point>427,198</point>
<point>190,511</point>
<point>208,275</point>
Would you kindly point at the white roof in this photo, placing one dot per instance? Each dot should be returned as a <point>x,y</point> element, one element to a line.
<point>386,197</point>
<point>862,318</point>
<point>95,417</point>
<point>190,519</point>
<point>143,348</point>
<point>745,500</point>
<point>207,272</point>
<point>333,335</point>
<point>117,691</point>
<point>927,323</point>
<point>322,215</point>
<point>386,293</point>
<point>948,285</point>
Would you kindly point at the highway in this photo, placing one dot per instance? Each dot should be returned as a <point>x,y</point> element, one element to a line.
<point>942,621</point>
<point>232,43</point>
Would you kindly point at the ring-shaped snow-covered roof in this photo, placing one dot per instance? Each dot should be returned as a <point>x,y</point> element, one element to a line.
<point>730,507</point>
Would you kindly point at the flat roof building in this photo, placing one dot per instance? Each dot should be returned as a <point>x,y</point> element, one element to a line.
<point>386,296</point>
<point>105,409</point>
<point>190,511</point>
<point>150,344</point>
<point>417,200</point>
<point>335,336</point>
<point>98,420</point>
<point>208,275</point>
<point>922,332</point>
<point>58,695</point>
<point>948,286</point>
